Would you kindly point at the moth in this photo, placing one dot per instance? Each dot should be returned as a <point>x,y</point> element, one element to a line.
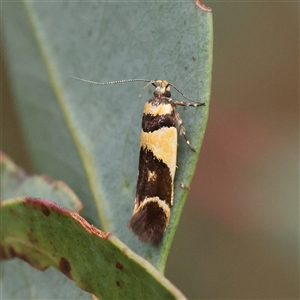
<point>157,162</point>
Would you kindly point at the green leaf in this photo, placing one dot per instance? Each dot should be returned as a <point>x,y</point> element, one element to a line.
<point>30,283</point>
<point>45,234</point>
<point>98,262</point>
<point>86,135</point>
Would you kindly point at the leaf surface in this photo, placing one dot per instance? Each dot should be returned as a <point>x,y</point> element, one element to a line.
<point>45,234</point>
<point>15,183</point>
<point>86,135</point>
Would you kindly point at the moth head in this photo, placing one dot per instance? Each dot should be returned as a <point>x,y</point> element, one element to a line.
<point>162,89</point>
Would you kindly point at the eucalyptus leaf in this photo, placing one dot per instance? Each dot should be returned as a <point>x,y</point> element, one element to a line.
<point>86,135</point>
<point>18,279</point>
<point>15,183</point>
<point>45,234</point>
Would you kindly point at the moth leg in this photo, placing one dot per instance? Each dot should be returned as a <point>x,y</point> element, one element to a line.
<point>181,128</point>
<point>183,103</point>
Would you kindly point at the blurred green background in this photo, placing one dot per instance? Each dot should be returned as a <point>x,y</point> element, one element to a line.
<point>239,233</point>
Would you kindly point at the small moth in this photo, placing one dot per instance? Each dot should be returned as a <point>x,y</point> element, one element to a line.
<point>157,162</point>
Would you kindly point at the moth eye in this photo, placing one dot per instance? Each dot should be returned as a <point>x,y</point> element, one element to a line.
<point>167,94</point>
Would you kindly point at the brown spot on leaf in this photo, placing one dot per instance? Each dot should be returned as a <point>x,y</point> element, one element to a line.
<point>119,266</point>
<point>3,254</point>
<point>45,210</point>
<point>194,58</point>
<point>119,283</point>
<point>65,267</point>
<point>54,247</point>
<point>14,253</point>
<point>45,206</point>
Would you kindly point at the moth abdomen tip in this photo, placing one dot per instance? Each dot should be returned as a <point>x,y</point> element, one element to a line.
<point>149,222</point>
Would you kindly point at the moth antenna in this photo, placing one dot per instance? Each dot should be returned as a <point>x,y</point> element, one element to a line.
<point>184,96</point>
<point>150,82</point>
<point>111,82</point>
